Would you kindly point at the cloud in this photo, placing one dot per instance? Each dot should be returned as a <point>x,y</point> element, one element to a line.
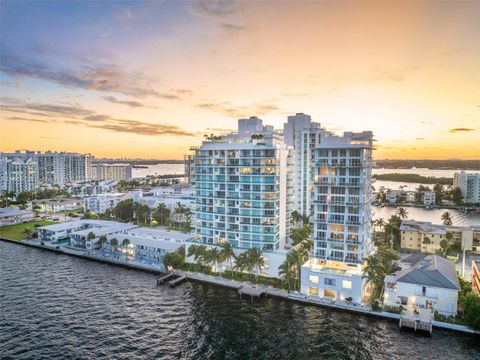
<point>457,130</point>
<point>419,138</point>
<point>130,103</point>
<point>217,8</point>
<point>230,110</point>
<point>233,28</point>
<point>220,130</point>
<point>71,114</point>
<point>108,78</point>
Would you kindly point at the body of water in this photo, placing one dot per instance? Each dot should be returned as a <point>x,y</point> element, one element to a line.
<point>60,307</point>
<point>158,169</point>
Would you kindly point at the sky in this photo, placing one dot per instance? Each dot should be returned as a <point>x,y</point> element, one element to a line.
<point>148,79</point>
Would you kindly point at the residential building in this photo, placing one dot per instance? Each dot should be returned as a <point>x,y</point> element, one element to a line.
<point>100,203</point>
<point>58,205</point>
<point>20,174</point>
<point>77,231</point>
<point>469,184</point>
<point>391,197</point>
<point>428,198</point>
<point>424,282</point>
<point>243,188</point>
<point>476,276</point>
<point>341,217</point>
<point>92,188</point>
<point>171,197</point>
<point>115,172</point>
<point>188,162</point>
<point>303,134</point>
<point>413,234</point>
<point>146,244</point>
<point>12,216</point>
<point>57,168</point>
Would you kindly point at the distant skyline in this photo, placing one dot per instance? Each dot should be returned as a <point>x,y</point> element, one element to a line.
<point>148,79</point>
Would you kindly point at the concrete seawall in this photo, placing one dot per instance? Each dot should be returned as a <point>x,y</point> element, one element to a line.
<point>233,284</point>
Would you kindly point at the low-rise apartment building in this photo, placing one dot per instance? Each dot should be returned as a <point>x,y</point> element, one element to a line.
<point>12,216</point>
<point>424,282</point>
<point>426,237</point>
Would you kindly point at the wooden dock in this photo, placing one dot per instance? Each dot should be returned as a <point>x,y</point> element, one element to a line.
<point>161,280</point>
<point>415,324</point>
<point>177,281</point>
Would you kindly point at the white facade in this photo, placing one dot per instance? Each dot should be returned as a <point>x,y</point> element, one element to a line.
<point>102,202</point>
<point>336,283</point>
<point>469,184</point>
<point>429,198</point>
<point>57,168</point>
<point>12,216</point>
<point>391,197</point>
<point>19,174</point>
<point>424,282</point>
<point>115,172</point>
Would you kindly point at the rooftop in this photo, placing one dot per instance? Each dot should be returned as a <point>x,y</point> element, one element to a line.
<point>6,212</point>
<point>428,270</point>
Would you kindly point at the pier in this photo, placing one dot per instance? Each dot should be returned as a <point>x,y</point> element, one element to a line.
<point>253,292</point>
<point>415,324</point>
<point>177,281</point>
<point>161,280</point>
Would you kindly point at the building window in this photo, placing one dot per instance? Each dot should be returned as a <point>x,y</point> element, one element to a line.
<point>313,279</point>
<point>330,293</point>
<point>329,281</point>
<point>403,300</point>
<point>346,284</point>
<point>313,291</point>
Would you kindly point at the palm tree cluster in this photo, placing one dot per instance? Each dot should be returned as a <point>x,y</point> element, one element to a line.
<point>378,266</point>
<point>249,261</point>
<point>289,270</point>
<point>447,218</point>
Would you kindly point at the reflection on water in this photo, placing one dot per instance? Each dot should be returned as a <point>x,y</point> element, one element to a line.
<point>60,307</point>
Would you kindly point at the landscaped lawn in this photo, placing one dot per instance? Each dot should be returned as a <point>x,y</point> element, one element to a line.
<point>15,232</point>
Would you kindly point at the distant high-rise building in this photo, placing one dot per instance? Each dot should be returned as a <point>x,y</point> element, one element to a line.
<point>115,172</point>
<point>469,184</point>
<point>57,168</point>
<point>19,174</point>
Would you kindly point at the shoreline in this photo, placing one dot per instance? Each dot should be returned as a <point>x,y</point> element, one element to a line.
<point>233,284</point>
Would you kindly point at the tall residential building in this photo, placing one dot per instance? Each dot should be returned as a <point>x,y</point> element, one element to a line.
<point>469,184</point>
<point>20,175</point>
<point>341,216</point>
<point>57,168</point>
<point>303,134</point>
<point>115,172</point>
<point>243,188</point>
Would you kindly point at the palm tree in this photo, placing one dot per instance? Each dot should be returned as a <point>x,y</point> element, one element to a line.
<point>28,232</point>
<point>374,271</point>
<point>402,213</point>
<point>426,242</point>
<point>214,256</point>
<point>125,242</point>
<point>286,272</point>
<point>101,240</point>
<point>113,243</point>
<point>446,218</point>
<point>255,260</point>
<point>296,217</point>
<point>227,253</point>
<point>381,224</point>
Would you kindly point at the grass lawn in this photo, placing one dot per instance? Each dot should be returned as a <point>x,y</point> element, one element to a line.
<point>15,232</point>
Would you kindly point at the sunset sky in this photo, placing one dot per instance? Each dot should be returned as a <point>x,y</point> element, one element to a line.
<point>148,79</point>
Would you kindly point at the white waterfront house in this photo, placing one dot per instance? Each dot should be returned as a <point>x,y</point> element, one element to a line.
<point>424,282</point>
<point>469,184</point>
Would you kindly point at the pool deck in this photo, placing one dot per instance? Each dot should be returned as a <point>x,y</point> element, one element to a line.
<point>245,288</point>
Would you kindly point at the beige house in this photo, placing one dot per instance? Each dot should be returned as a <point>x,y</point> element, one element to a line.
<point>413,234</point>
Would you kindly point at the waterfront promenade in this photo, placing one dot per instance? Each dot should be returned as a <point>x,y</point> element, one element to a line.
<point>248,288</point>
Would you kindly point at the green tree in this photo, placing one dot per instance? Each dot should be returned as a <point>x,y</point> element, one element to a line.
<point>124,210</point>
<point>300,234</point>
<point>91,236</point>
<point>162,215</point>
<point>255,260</point>
<point>114,243</point>
<point>439,193</point>
<point>126,242</point>
<point>286,271</point>
<point>101,240</point>
<point>213,256</point>
<point>402,213</point>
<point>227,253</point>
<point>457,195</point>
<point>28,232</point>
<point>173,259</point>
<point>426,241</point>
<point>446,218</point>
<point>471,312</point>
<point>445,246</point>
